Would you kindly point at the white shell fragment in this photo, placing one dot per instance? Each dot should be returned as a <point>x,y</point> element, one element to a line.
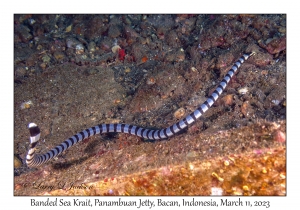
<point>276,102</point>
<point>243,90</point>
<point>26,104</point>
<point>79,49</point>
<point>216,191</point>
<point>115,48</point>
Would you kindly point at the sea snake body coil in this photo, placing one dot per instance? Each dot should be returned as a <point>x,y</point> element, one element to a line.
<point>33,159</point>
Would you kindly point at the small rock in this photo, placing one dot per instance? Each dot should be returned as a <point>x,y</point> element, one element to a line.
<point>179,113</point>
<point>92,47</point>
<point>43,65</point>
<point>23,33</point>
<point>246,109</point>
<point>180,55</point>
<point>115,48</point>
<point>69,28</point>
<point>172,39</point>
<point>46,58</point>
<point>150,81</point>
<point>17,162</point>
<point>59,55</point>
<point>260,95</point>
<point>79,49</point>
<point>31,60</point>
<point>262,59</point>
<point>227,100</point>
<point>114,31</point>
<point>39,47</point>
<point>279,136</point>
<point>71,42</point>
<point>276,96</point>
<point>20,71</point>
<point>276,45</point>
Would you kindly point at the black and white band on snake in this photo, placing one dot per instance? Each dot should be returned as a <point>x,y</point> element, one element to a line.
<point>33,159</point>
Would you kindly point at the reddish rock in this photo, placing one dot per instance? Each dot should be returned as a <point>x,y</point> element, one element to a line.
<point>279,136</point>
<point>225,60</point>
<point>247,109</point>
<point>227,100</point>
<point>276,45</point>
<point>122,54</point>
<point>262,59</point>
